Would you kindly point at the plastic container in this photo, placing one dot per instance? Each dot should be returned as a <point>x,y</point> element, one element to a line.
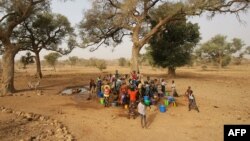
<point>167,94</point>
<point>171,99</point>
<point>102,100</point>
<point>147,102</point>
<point>162,108</point>
<point>166,102</point>
<point>146,98</point>
<point>100,94</point>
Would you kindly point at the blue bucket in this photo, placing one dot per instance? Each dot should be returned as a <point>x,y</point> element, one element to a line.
<point>100,94</point>
<point>146,98</point>
<point>162,108</point>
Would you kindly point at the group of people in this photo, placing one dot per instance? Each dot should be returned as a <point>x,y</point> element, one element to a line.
<point>129,91</point>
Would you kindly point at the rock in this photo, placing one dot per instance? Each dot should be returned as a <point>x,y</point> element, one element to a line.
<point>50,132</point>
<point>59,130</point>
<point>59,125</point>
<point>28,115</point>
<point>36,116</point>
<point>8,111</point>
<point>41,118</point>
<point>69,137</point>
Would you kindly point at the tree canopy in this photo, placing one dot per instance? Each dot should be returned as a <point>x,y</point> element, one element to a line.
<point>107,22</point>
<point>173,47</point>
<point>46,31</point>
<point>13,13</point>
<point>52,59</point>
<point>219,50</point>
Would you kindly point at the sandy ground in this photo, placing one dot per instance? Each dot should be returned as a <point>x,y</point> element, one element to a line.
<point>222,96</point>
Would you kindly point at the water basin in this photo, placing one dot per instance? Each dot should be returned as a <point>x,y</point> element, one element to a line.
<point>75,90</point>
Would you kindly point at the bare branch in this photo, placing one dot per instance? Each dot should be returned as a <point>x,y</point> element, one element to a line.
<point>7,15</point>
<point>116,5</point>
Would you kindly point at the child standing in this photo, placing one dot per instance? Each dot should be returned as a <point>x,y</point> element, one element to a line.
<point>174,93</point>
<point>92,87</point>
<point>142,111</point>
<point>192,102</point>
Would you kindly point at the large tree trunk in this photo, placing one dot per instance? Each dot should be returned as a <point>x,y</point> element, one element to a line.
<point>8,71</point>
<point>134,59</point>
<point>171,71</point>
<point>38,65</point>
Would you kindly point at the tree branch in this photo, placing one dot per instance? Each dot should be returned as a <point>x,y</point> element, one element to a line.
<point>7,15</point>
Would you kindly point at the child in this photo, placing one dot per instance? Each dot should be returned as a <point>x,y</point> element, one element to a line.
<point>92,87</point>
<point>187,91</point>
<point>132,92</point>
<point>192,102</point>
<point>163,86</point>
<point>142,111</point>
<point>174,93</point>
<point>106,93</point>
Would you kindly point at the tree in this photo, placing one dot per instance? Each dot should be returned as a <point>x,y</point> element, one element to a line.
<point>173,47</point>
<point>107,22</point>
<point>218,50</point>
<point>52,58</point>
<point>46,31</point>
<point>73,60</point>
<point>101,64</point>
<point>122,61</point>
<point>13,13</point>
<point>28,59</point>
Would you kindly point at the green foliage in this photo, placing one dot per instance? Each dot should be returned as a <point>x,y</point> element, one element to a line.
<point>220,51</point>
<point>101,64</point>
<point>27,59</point>
<point>46,31</point>
<point>73,60</point>
<point>122,61</point>
<point>52,58</point>
<point>247,51</point>
<point>173,47</point>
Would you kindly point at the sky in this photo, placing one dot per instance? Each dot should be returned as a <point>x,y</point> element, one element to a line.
<point>221,24</point>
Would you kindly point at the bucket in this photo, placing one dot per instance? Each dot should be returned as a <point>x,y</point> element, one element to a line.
<point>146,98</point>
<point>174,104</point>
<point>102,100</point>
<point>170,99</point>
<point>166,102</point>
<point>147,102</point>
<point>100,94</point>
<point>167,94</point>
<point>162,108</point>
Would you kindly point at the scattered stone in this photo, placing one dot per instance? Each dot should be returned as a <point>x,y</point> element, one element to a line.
<point>28,115</point>
<point>50,132</point>
<point>69,137</point>
<point>58,130</point>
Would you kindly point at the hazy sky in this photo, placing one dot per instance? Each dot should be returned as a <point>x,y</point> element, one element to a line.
<point>221,24</point>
